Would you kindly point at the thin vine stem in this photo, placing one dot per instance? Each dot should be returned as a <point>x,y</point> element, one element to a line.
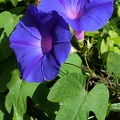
<point>88,65</point>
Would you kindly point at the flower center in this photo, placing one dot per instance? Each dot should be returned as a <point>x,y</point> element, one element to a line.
<point>72,8</point>
<point>46,45</point>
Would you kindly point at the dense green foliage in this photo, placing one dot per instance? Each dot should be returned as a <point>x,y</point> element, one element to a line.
<point>87,87</point>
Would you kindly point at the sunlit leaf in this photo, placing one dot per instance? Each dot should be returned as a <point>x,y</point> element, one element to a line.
<point>4,1</point>
<point>76,103</point>
<point>114,107</point>
<point>104,47</point>
<point>91,33</point>
<point>117,50</point>
<point>118,11</point>
<point>113,34</point>
<point>72,64</point>
<point>113,63</point>
<point>15,2</point>
<point>114,37</point>
<point>7,24</point>
<point>18,92</point>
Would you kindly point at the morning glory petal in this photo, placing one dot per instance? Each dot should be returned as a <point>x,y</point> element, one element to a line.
<point>96,14</point>
<point>23,36</point>
<point>31,24</point>
<point>27,57</point>
<point>37,44</point>
<point>50,64</point>
<point>50,5</point>
<point>81,15</point>
<point>54,59</point>
<point>36,73</point>
<point>68,8</point>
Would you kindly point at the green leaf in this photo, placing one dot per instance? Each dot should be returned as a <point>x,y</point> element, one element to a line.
<point>104,47</point>
<point>3,1</point>
<point>15,2</point>
<point>118,10</point>
<point>72,64</point>
<point>114,37</point>
<point>91,33</point>
<point>49,108</point>
<point>114,107</point>
<point>76,103</point>
<point>117,50</point>
<point>17,10</point>
<point>18,92</point>
<point>106,28</point>
<point>4,115</point>
<point>16,115</point>
<point>113,34</point>
<point>113,63</point>
<point>7,24</point>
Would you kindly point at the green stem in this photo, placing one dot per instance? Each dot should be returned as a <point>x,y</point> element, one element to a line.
<point>88,65</point>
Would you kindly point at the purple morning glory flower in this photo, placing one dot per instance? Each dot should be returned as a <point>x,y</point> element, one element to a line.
<point>81,15</point>
<point>41,42</point>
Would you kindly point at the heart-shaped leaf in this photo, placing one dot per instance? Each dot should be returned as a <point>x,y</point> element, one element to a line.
<point>76,103</point>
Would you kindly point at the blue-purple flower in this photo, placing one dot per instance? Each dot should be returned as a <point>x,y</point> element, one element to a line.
<point>81,15</point>
<point>41,42</point>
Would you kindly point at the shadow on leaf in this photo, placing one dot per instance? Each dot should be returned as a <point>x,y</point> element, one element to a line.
<point>40,99</point>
